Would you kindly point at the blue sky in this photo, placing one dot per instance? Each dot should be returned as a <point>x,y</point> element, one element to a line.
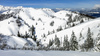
<point>51,3</point>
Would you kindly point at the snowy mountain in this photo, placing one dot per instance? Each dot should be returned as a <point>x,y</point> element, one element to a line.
<point>94,12</point>
<point>32,27</point>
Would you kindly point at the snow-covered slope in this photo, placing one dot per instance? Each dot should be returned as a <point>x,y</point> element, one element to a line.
<point>94,25</point>
<point>42,19</point>
<point>8,27</point>
<point>46,53</point>
<point>15,42</point>
<point>47,23</point>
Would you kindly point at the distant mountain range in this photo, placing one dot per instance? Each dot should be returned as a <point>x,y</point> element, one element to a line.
<point>95,12</point>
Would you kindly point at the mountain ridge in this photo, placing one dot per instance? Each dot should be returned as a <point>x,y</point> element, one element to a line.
<point>46,22</point>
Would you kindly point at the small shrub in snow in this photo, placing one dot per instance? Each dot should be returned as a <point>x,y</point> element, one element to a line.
<point>52,23</point>
<point>59,29</point>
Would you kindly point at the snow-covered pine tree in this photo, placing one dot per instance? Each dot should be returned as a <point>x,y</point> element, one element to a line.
<point>97,43</point>
<point>70,18</point>
<point>18,34</point>
<point>44,36</point>
<point>82,21</point>
<point>57,41</point>
<point>75,18</point>
<point>48,33</point>
<point>66,43</point>
<point>53,31</point>
<point>26,35</point>
<point>88,44</point>
<point>32,31</point>
<point>73,42</point>
<point>50,43</point>
<point>81,37</point>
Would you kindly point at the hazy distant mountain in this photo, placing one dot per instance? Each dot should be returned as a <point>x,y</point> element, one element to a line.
<point>95,12</point>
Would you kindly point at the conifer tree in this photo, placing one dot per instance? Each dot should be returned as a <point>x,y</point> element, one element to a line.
<point>18,34</point>
<point>70,18</point>
<point>26,35</point>
<point>66,43</point>
<point>59,28</point>
<point>73,42</point>
<point>50,43</point>
<point>97,43</point>
<point>89,41</point>
<point>44,36</point>
<point>57,41</point>
<point>82,21</point>
<point>81,37</point>
<point>48,33</point>
<point>75,18</point>
<point>32,30</point>
<point>53,31</point>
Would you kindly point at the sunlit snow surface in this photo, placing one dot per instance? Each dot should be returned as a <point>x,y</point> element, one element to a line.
<point>41,19</point>
<point>46,53</point>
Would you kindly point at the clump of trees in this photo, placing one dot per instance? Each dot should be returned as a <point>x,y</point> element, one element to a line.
<point>27,35</point>
<point>3,42</point>
<point>5,16</point>
<point>18,21</point>
<point>73,44</point>
<point>56,43</point>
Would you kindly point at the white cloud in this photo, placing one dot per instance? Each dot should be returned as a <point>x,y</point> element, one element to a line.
<point>97,6</point>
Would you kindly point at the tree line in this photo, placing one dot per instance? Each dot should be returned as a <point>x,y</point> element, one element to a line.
<point>73,44</point>
<point>67,45</point>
